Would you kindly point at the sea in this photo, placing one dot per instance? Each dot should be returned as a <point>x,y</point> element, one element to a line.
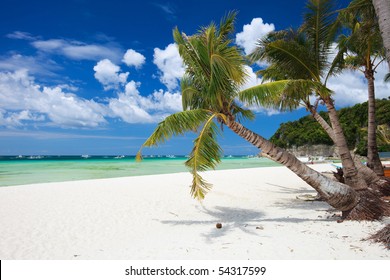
<point>21,170</point>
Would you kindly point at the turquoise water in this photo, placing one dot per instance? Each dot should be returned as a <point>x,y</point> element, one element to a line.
<point>30,170</point>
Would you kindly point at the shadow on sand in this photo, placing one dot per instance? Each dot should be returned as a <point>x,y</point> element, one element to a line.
<point>249,221</point>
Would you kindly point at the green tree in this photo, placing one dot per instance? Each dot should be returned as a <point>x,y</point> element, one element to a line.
<point>300,68</point>
<point>213,76</point>
<point>354,120</point>
<point>364,52</point>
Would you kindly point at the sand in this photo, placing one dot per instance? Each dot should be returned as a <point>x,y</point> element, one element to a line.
<point>154,217</point>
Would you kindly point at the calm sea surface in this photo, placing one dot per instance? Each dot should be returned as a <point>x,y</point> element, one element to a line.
<point>17,170</point>
<point>20,170</point>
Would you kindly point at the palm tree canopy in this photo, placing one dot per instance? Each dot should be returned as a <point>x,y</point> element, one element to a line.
<point>214,72</point>
<point>299,61</point>
<point>363,44</point>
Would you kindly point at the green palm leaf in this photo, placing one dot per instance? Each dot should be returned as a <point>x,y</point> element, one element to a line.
<point>226,26</point>
<point>284,95</point>
<point>294,57</point>
<point>190,94</point>
<point>206,154</point>
<point>317,26</point>
<point>242,114</point>
<point>176,124</point>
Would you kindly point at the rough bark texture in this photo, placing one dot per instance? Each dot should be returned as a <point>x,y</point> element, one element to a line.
<point>382,9</point>
<point>379,184</point>
<point>323,124</point>
<point>368,175</point>
<point>338,195</point>
<point>352,177</point>
<point>373,160</point>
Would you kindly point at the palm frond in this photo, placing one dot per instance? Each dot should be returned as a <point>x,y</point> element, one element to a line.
<point>294,57</point>
<point>273,73</point>
<point>214,66</point>
<point>383,134</point>
<point>242,114</point>
<point>284,95</point>
<point>337,65</point>
<point>387,77</point>
<point>318,27</point>
<point>363,40</point>
<point>226,26</point>
<point>205,155</point>
<point>173,125</point>
<point>190,94</point>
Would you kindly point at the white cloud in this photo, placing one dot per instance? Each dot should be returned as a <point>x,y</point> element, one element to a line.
<point>21,99</point>
<point>168,9</point>
<point>132,107</point>
<point>13,119</point>
<point>251,33</point>
<point>59,135</point>
<point>170,64</point>
<point>24,102</point>
<point>252,79</point>
<point>351,87</point>
<point>20,35</point>
<point>78,50</point>
<point>108,74</point>
<point>34,65</point>
<point>133,58</point>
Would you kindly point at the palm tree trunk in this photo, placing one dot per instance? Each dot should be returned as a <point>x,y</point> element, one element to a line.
<point>373,160</point>
<point>382,9</point>
<point>338,195</point>
<point>369,176</point>
<point>362,204</point>
<point>351,175</point>
<point>380,185</point>
<point>323,123</point>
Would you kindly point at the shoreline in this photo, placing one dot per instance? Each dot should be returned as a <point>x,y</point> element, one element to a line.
<point>46,170</point>
<point>154,217</point>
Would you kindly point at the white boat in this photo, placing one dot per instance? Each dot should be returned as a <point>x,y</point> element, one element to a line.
<point>170,156</point>
<point>35,157</point>
<point>303,159</point>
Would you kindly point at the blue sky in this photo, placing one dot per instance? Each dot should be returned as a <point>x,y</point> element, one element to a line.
<point>94,77</point>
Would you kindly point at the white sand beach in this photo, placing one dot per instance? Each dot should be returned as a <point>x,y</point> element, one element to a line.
<point>154,217</point>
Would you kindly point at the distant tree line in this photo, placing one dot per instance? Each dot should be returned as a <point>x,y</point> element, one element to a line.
<point>307,131</point>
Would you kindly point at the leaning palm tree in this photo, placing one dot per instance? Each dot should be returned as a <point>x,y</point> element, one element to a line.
<point>210,87</point>
<point>364,52</point>
<point>300,68</point>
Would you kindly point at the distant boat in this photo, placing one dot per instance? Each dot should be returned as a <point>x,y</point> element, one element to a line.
<point>117,157</point>
<point>35,157</point>
<point>170,156</point>
<point>85,156</point>
<point>252,156</point>
<point>303,159</point>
